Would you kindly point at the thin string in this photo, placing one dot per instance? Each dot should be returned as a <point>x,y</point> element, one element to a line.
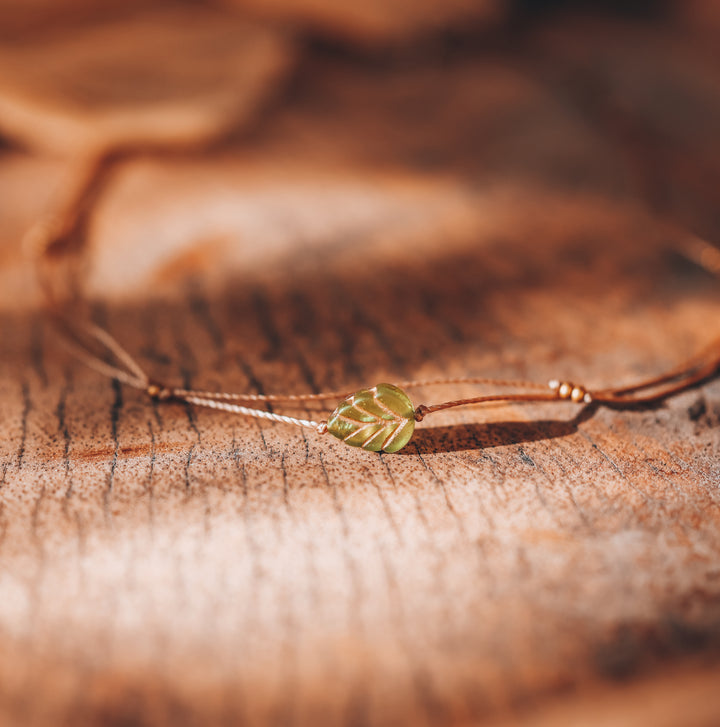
<point>425,409</point>
<point>251,412</point>
<point>688,378</point>
<point>132,375</point>
<point>685,369</point>
<point>341,394</point>
<point>268,398</point>
<point>100,366</point>
<point>118,351</point>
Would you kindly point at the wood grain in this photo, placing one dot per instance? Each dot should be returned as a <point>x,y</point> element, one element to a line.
<point>540,565</point>
<point>160,558</point>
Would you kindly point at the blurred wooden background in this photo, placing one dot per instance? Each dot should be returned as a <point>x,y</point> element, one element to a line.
<point>304,195</point>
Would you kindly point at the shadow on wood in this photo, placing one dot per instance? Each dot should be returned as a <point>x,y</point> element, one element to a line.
<point>459,437</point>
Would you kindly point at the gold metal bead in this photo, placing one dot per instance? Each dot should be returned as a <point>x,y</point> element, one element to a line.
<point>577,394</point>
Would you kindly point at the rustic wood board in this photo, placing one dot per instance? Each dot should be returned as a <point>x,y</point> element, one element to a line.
<point>538,565</point>
<point>163,560</point>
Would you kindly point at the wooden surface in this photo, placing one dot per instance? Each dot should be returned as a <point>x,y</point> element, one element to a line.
<point>381,219</point>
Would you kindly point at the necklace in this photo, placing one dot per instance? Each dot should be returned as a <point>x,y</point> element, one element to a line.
<point>382,417</point>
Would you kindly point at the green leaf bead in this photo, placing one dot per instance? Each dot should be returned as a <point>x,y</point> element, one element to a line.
<point>381,418</point>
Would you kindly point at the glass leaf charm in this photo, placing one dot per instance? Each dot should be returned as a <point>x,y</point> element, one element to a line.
<point>377,419</point>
